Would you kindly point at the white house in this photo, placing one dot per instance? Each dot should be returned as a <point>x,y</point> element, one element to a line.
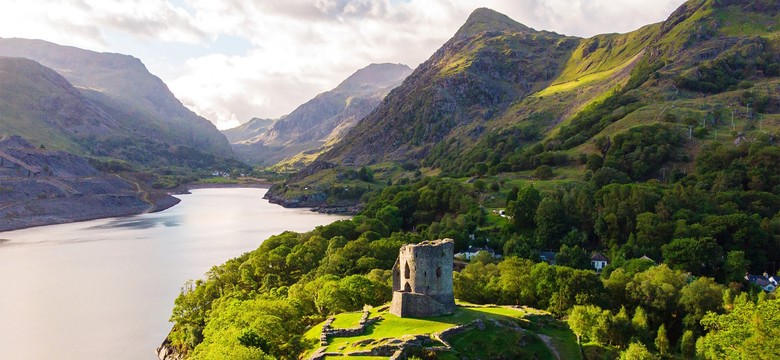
<point>472,251</point>
<point>599,261</point>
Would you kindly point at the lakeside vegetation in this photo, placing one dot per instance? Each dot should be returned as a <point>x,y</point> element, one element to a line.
<point>708,228</point>
<point>653,165</point>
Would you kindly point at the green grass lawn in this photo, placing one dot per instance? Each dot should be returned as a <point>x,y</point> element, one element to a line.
<point>347,320</point>
<point>485,343</point>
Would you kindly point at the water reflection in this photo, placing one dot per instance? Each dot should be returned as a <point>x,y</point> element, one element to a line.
<point>104,289</point>
<point>140,223</point>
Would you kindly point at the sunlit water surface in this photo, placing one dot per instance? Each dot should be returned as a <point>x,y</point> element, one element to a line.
<point>104,289</point>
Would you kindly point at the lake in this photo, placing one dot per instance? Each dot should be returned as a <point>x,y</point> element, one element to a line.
<point>104,289</point>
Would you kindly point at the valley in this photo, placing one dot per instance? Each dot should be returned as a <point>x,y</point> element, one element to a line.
<point>607,196</point>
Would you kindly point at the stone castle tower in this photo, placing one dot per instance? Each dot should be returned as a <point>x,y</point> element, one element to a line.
<point>422,280</point>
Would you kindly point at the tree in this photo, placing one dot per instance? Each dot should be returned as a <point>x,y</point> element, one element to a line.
<point>573,257</point>
<point>662,341</point>
<point>366,174</point>
<point>735,265</point>
<point>657,290</point>
<point>743,332</point>
<point>391,217</point>
<point>608,175</point>
<point>640,326</point>
<point>594,162</point>
<point>516,282</point>
<point>583,320</point>
<point>477,283</point>
<point>551,222</point>
<point>621,328</point>
<point>701,296</point>
<point>637,351</point>
<point>523,210</point>
<point>698,256</point>
<point>688,345</point>
<point>543,172</point>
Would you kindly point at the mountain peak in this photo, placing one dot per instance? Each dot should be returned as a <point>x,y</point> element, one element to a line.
<point>376,75</point>
<point>484,19</point>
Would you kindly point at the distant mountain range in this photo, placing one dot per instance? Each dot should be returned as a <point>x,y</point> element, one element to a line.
<point>99,104</point>
<point>317,124</point>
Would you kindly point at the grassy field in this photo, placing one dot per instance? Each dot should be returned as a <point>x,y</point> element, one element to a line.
<point>487,343</point>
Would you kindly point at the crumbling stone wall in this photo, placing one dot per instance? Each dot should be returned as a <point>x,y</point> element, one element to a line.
<point>422,279</point>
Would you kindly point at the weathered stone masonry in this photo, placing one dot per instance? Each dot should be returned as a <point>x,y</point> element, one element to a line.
<point>422,280</point>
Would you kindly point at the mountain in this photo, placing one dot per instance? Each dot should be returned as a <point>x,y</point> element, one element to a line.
<point>248,130</point>
<point>487,65</point>
<point>39,104</point>
<point>502,98</point>
<point>42,187</point>
<point>321,121</point>
<point>140,110</point>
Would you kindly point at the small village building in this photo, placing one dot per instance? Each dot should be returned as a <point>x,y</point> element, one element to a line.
<point>599,261</point>
<point>766,282</point>
<point>472,251</point>
<point>548,257</point>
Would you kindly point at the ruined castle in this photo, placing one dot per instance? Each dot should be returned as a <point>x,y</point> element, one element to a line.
<point>422,280</point>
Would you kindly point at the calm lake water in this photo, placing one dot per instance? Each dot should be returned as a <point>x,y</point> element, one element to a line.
<point>104,289</point>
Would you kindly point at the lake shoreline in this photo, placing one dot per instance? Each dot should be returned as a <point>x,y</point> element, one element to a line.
<point>72,283</point>
<point>185,189</point>
<point>159,203</point>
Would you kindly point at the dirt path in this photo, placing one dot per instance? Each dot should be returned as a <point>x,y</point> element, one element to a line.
<point>549,342</point>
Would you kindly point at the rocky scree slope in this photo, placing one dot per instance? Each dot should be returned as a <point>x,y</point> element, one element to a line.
<point>43,187</point>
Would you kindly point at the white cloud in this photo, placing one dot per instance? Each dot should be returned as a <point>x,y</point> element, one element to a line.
<point>294,48</point>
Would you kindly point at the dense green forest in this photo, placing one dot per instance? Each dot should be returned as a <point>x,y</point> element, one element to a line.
<point>707,229</point>
<point>656,148</point>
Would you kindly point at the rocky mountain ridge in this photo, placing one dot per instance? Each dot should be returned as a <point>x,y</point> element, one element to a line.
<point>319,122</point>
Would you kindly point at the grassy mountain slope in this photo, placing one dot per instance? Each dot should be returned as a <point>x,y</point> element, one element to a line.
<point>39,104</point>
<point>475,76</point>
<point>311,127</point>
<point>124,89</point>
<point>502,98</point>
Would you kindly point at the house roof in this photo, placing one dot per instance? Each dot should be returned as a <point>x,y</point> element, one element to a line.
<point>598,257</point>
<point>759,280</point>
<point>476,249</point>
<point>645,257</point>
<point>547,255</point>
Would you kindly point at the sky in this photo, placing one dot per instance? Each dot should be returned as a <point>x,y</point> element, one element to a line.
<point>232,60</point>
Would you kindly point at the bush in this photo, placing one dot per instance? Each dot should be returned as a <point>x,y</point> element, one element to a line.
<point>543,172</point>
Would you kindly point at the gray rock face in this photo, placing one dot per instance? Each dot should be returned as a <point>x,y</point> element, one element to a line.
<point>422,280</point>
